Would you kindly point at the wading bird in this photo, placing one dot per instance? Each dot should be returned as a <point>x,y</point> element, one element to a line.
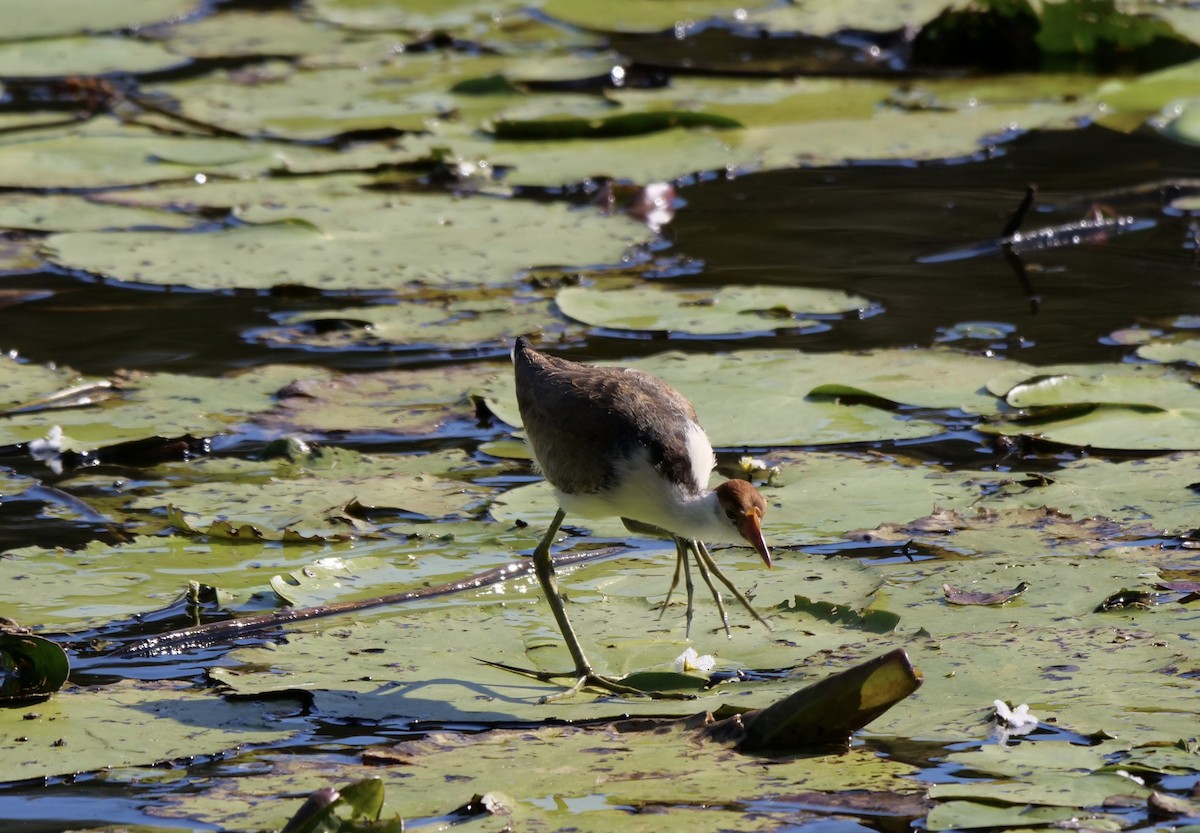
<point>616,442</point>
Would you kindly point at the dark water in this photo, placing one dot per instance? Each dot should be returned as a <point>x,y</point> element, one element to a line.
<point>865,229</point>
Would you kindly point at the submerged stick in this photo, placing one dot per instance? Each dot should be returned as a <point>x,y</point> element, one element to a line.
<point>177,641</point>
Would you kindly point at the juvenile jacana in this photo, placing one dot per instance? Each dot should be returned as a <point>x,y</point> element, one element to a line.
<point>617,442</point>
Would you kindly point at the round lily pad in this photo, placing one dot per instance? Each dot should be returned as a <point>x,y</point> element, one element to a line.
<point>360,242</point>
<point>83,56</point>
<point>735,309</point>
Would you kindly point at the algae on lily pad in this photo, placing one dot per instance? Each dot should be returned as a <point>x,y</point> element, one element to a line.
<point>735,309</point>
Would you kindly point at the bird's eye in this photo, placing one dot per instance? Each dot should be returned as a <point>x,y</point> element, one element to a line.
<point>731,514</point>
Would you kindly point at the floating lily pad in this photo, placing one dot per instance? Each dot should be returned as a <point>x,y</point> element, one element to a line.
<point>458,323</point>
<point>249,32</point>
<point>738,409</point>
<point>396,92</point>
<point>360,243</point>
<point>104,152</point>
<point>328,497</point>
<point>1139,495</point>
<point>395,401</point>
<point>61,212</point>
<point>33,667</point>
<point>412,16</point>
<point>655,766</point>
<point>83,56</point>
<point>1129,103</point>
<point>76,731</point>
<point>1142,406</point>
<point>740,309</point>
<point>643,16</point>
<point>763,144</point>
<point>42,19</point>
<point>831,18</point>
<point>135,406</point>
<point>1170,350</point>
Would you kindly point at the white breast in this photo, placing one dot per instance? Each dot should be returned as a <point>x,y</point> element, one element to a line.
<point>687,509</point>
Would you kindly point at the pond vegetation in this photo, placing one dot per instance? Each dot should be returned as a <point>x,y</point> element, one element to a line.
<point>261,266</point>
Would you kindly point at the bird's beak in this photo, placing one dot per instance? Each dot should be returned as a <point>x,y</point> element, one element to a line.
<point>751,529</point>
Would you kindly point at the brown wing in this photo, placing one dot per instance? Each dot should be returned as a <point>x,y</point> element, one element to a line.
<point>583,420</point>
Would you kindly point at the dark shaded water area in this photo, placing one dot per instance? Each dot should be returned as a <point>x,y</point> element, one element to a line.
<point>871,229</point>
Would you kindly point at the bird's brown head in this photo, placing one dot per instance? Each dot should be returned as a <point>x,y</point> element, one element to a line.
<point>744,507</point>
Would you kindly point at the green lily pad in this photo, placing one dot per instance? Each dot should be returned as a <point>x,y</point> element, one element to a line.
<point>1130,385</point>
<point>1138,407</point>
<point>1129,103</point>
<point>1091,790</point>
<point>360,243</point>
<point>447,321</point>
<point>391,92</point>
<point>969,815</point>
<point>32,666</point>
<point>61,212</point>
<point>408,401</point>
<point>831,18</point>
<point>413,16</point>
<point>739,408</point>
<point>770,140</point>
<point>651,768</point>
<point>327,497</point>
<point>104,152</point>
<point>740,309</point>
<point>41,19</point>
<point>135,406</point>
<point>82,56</point>
<point>641,15</point>
<point>249,32</point>
<point>1139,495</point>
<point>1170,350</point>
<point>625,124</point>
<point>78,731</point>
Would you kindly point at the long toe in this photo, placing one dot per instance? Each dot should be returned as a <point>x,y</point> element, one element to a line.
<point>613,686</point>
